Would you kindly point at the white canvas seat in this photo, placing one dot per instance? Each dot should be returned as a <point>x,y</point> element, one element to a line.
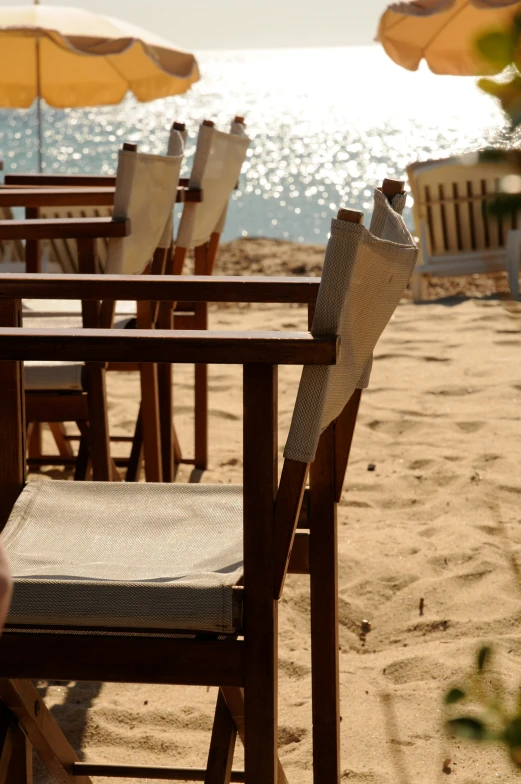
<point>458,235</point>
<point>58,377</point>
<point>162,556</point>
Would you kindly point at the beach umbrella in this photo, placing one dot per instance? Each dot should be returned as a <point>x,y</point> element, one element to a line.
<point>74,58</point>
<point>444,33</point>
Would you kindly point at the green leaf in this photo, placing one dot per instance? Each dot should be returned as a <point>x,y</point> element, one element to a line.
<point>467,727</point>
<point>508,93</point>
<point>484,656</point>
<point>497,48</point>
<point>454,695</point>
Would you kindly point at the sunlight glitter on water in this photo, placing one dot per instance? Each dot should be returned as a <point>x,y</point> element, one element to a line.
<point>326,126</point>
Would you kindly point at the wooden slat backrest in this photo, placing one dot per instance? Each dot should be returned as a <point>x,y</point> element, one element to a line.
<point>450,200</point>
<point>65,252</point>
<point>12,250</point>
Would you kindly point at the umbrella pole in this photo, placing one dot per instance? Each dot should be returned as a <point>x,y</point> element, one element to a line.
<point>38,104</point>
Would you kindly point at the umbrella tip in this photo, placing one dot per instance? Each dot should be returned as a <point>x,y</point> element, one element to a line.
<point>178,126</point>
<point>129,147</point>
<point>239,119</point>
<point>209,123</point>
<point>351,216</point>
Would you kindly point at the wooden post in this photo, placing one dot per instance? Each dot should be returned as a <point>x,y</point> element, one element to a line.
<point>95,375</point>
<point>260,610</point>
<point>12,418</point>
<point>222,745</point>
<point>201,371</point>
<point>324,612</point>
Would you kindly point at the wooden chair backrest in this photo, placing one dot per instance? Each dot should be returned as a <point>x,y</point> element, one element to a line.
<point>10,250</point>
<point>450,206</point>
<point>64,251</point>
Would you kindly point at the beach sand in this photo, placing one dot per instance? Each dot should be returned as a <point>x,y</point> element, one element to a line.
<point>441,422</point>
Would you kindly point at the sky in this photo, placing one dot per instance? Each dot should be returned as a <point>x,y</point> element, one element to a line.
<point>244,24</point>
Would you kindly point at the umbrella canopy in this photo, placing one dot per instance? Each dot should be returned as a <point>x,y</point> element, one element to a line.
<point>444,32</point>
<point>74,58</point>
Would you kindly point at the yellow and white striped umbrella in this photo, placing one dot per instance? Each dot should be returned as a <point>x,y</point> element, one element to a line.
<point>72,58</point>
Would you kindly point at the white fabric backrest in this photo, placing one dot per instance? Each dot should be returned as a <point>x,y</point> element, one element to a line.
<point>217,165</point>
<point>363,279</point>
<point>176,146</point>
<point>146,188</point>
<point>239,129</point>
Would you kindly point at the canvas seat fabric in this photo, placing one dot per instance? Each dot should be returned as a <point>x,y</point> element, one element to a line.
<point>111,555</point>
<point>57,377</point>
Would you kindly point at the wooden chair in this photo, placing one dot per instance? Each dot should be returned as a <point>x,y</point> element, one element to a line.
<point>212,625</point>
<point>145,193</point>
<point>217,164</point>
<point>71,196</point>
<point>458,236</point>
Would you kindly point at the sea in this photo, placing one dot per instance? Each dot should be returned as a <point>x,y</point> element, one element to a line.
<point>326,126</point>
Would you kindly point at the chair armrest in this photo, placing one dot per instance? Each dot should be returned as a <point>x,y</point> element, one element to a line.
<point>69,179</point>
<point>66,180</point>
<point>56,197</point>
<point>75,196</point>
<point>172,288</point>
<point>63,228</point>
<point>190,346</point>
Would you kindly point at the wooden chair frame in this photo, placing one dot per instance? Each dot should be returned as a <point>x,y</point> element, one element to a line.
<point>75,407</point>
<point>287,529</point>
<point>64,190</point>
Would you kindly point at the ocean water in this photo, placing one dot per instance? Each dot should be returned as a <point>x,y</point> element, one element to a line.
<point>326,126</point>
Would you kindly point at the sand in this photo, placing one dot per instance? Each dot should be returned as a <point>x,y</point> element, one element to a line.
<point>441,423</point>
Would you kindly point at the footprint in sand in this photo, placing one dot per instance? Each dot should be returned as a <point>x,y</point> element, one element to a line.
<point>422,463</point>
<point>470,427</point>
<point>454,391</point>
<point>227,415</point>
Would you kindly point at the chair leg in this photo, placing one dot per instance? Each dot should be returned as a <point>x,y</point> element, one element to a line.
<point>513,256</point>
<point>166,401</point>
<point>150,420</point>
<point>55,751</point>
<point>222,745</point>
<point>260,609</point>
<point>35,440</point>
<point>418,286</point>
<point>324,613</point>
<point>16,764</point>
<point>136,453</point>
<point>201,396</point>
<point>99,426</point>
<point>201,417</point>
<point>82,460</point>
<point>58,432</point>
<point>235,701</point>
<point>20,768</point>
